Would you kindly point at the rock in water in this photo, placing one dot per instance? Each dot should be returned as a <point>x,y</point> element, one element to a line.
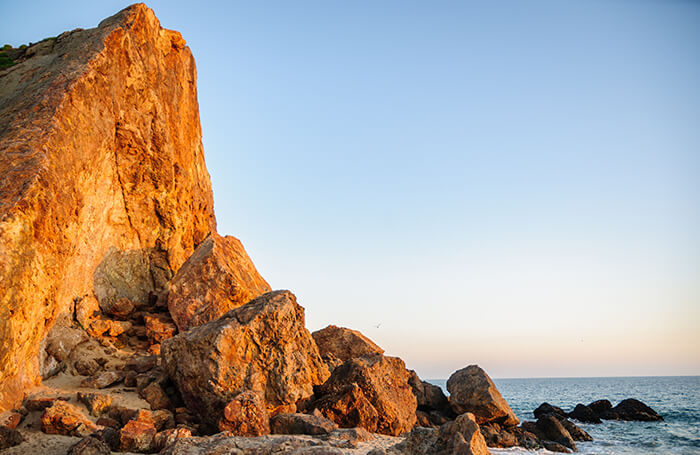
<point>344,344</point>
<point>369,392</point>
<point>101,162</point>
<point>262,346</point>
<point>218,277</point>
<point>472,390</point>
<point>631,409</point>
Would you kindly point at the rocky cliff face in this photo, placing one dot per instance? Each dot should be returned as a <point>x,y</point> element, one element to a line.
<point>102,178</point>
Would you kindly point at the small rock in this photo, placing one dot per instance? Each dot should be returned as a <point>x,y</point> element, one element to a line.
<point>246,415</point>
<point>103,380</point>
<point>100,327</point>
<point>9,437</point>
<point>163,419</point>
<point>555,447</point>
<point>86,366</point>
<point>168,437</point>
<point>121,308</point>
<point>159,327</point>
<point>154,349</point>
<point>40,403</point>
<point>95,402</point>
<point>10,419</point>
<point>301,424</point>
<point>89,446</point>
<point>122,414</point>
<point>65,419</point>
<point>136,436</point>
<point>155,396</point>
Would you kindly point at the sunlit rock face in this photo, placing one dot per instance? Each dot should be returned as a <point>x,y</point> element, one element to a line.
<point>101,166</point>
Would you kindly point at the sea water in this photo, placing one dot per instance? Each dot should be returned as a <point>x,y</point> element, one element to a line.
<point>676,399</point>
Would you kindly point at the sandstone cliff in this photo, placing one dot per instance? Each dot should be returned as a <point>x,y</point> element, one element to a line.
<point>101,164</point>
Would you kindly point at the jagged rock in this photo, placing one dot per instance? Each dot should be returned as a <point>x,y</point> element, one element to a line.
<point>159,327</point>
<point>103,380</point>
<point>301,424</point>
<point>472,390</point>
<point>136,436</point>
<point>100,158</point>
<point>65,419</point>
<point>155,396</point>
<point>90,446</point>
<point>546,408</point>
<point>459,437</point>
<point>552,430</point>
<point>633,410</point>
<point>344,344</point>
<point>262,346</point>
<point>96,403</point>
<point>584,414</point>
<point>120,308</point>
<point>9,437</point>
<point>331,361</point>
<point>246,415</point>
<point>430,397</point>
<point>218,277</point>
<point>369,392</point>
<point>168,437</point>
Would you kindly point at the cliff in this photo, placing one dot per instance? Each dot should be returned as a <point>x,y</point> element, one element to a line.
<point>102,178</point>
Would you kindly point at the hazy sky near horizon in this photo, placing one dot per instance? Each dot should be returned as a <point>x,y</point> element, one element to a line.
<point>513,184</point>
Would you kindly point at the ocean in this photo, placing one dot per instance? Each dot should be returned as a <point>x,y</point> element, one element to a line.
<point>676,399</point>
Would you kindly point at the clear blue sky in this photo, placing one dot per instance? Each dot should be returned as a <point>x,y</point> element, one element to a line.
<point>508,183</point>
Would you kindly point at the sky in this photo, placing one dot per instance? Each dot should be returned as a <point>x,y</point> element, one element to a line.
<point>512,184</point>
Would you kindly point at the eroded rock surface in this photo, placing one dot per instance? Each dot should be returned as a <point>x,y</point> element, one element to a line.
<point>218,277</point>
<point>262,346</point>
<point>344,344</point>
<point>369,392</point>
<point>101,165</point>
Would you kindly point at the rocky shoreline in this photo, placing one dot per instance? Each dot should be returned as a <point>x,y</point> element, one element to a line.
<point>130,325</point>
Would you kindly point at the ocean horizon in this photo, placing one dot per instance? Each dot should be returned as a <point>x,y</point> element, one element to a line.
<point>675,398</point>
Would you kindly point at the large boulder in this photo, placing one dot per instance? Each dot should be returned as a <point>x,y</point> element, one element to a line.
<point>459,437</point>
<point>369,392</point>
<point>551,429</point>
<point>635,410</point>
<point>344,344</point>
<point>101,165</point>
<point>218,277</point>
<point>429,396</point>
<point>262,346</point>
<point>584,414</point>
<point>472,390</point>
<point>65,419</point>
